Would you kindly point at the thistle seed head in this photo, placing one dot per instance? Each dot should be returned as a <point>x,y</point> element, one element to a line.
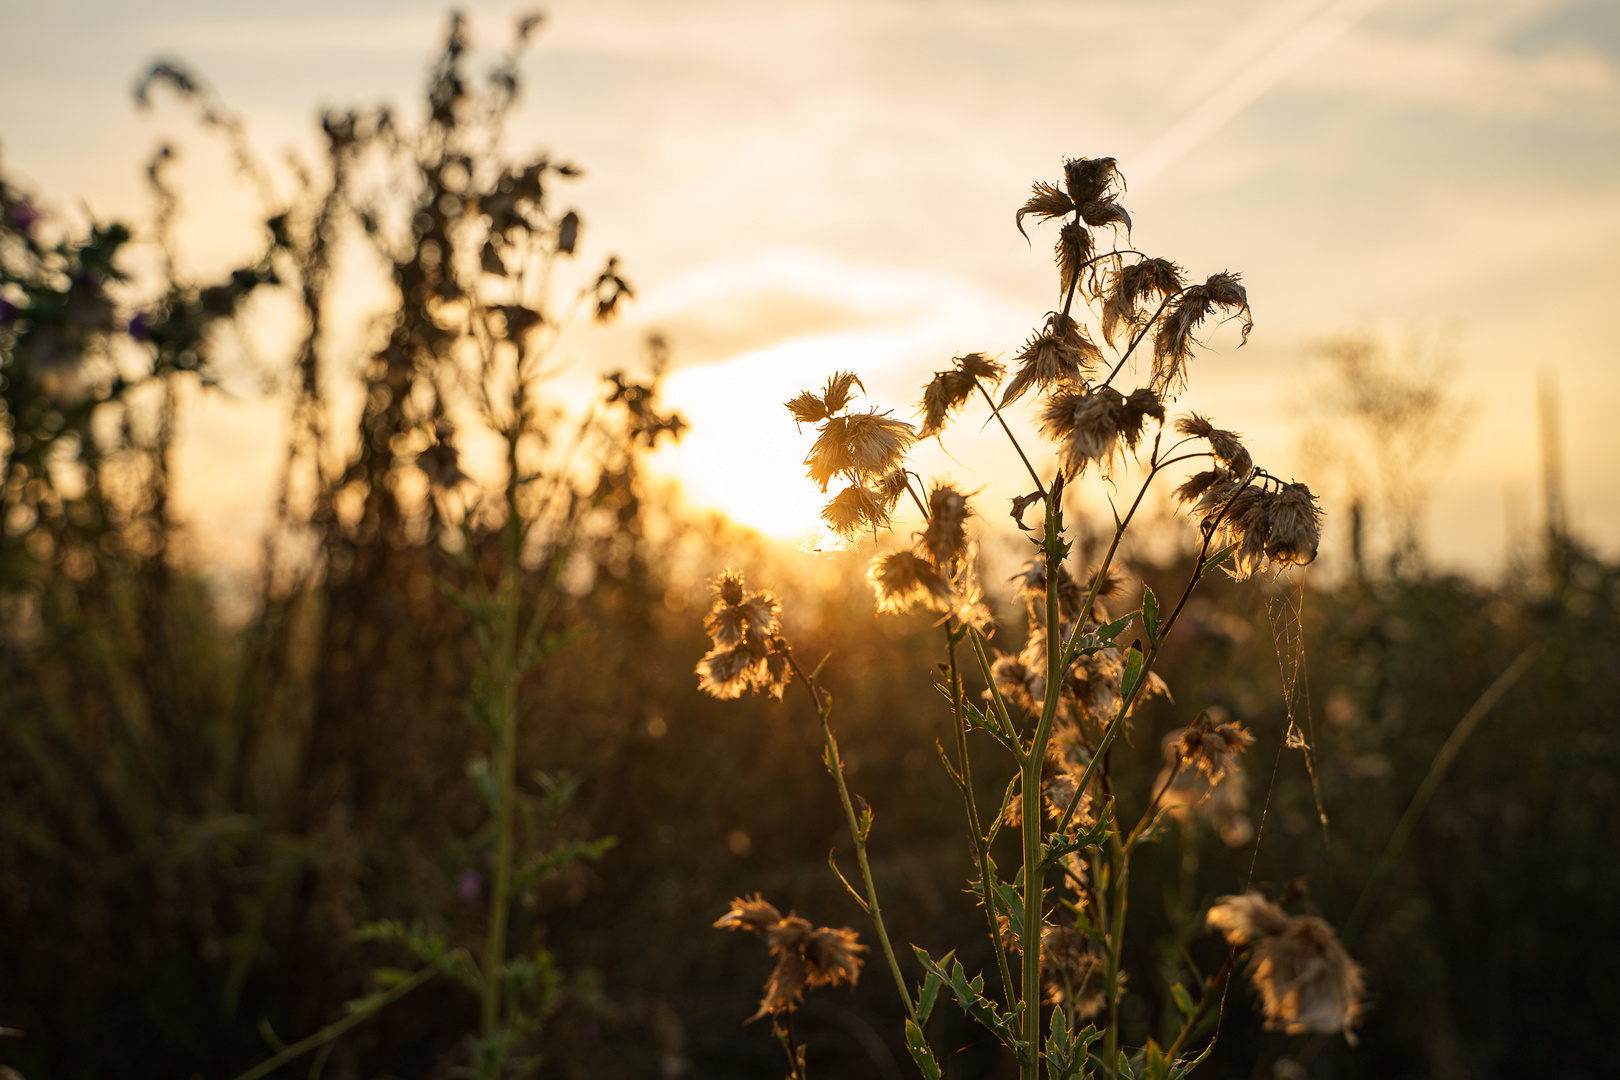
<point>866,444</point>
<point>1045,202</point>
<point>904,582</point>
<point>1306,980</point>
<point>946,535</point>
<point>1295,526</point>
<point>1089,180</point>
<point>855,511</point>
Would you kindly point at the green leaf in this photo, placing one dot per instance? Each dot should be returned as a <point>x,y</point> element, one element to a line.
<point>1107,633</point>
<point>1218,558</point>
<point>1155,1065</point>
<point>1133,674</point>
<point>921,1053</point>
<point>1184,1000</point>
<point>1150,613</point>
<point>928,995</point>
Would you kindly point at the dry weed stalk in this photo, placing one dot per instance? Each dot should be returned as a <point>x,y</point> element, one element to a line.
<point>1057,705</point>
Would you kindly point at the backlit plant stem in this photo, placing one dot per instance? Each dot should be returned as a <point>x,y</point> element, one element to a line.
<point>835,765</point>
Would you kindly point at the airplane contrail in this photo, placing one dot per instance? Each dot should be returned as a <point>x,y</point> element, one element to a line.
<point>1245,88</point>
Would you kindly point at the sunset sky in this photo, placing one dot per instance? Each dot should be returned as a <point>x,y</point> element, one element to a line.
<point>807,185</point>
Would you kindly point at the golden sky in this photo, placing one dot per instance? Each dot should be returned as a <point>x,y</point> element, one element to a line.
<point>806,185</point>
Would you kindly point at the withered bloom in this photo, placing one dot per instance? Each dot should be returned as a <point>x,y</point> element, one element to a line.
<point>1089,180</point>
<point>1095,424</point>
<point>1227,446</point>
<point>1295,526</point>
<point>950,389</point>
<point>856,510</point>
<point>1210,745</point>
<point>946,534</point>
<point>1072,250</point>
<point>805,955</point>
<point>1045,202</point>
<point>1060,353</point>
<point>812,408</point>
<point>1172,346</point>
<point>747,653</point>
<point>905,582</point>
<point>866,444</point>
<point>1307,982</point>
<point>1132,285</point>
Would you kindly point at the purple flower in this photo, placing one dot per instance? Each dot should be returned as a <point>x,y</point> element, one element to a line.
<point>8,312</point>
<point>140,326</point>
<point>23,215</point>
<point>471,885</point>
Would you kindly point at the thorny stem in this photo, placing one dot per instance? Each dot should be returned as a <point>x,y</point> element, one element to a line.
<point>835,765</point>
<point>964,767</point>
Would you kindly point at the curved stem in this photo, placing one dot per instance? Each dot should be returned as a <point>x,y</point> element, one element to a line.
<point>964,769</point>
<point>835,765</point>
<point>336,1029</point>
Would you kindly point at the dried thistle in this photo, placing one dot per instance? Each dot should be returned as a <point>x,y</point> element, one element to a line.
<point>1307,982</point>
<point>1074,247</point>
<point>1095,424</point>
<point>1090,180</point>
<point>1209,745</point>
<point>806,956</point>
<point>854,511</point>
<point>1059,353</point>
<point>904,582</point>
<point>1172,347</point>
<point>946,535</point>
<point>1295,526</point>
<point>1130,286</point>
<point>1226,446</point>
<point>865,444</point>
<point>748,652</point>
<point>1045,202</point>
<point>949,390</point>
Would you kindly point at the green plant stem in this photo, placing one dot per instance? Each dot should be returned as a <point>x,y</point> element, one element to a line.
<point>1437,772</point>
<point>338,1028</point>
<point>835,765</point>
<point>964,770</point>
<point>1205,1003</point>
<point>1115,945</point>
<point>505,674</point>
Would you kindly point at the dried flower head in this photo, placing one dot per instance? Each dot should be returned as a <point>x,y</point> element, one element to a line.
<point>1210,745</point>
<point>754,914</point>
<point>1045,202</point>
<point>1172,347</point>
<point>1090,180</point>
<point>864,444</point>
<point>806,955</point>
<point>747,653</point>
<point>1307,982</point>
<point>946,534</point>
<point>1226,446</point>
<point>856,510</point>
<point>950,389</point>
<point>1068,965</point>
<point>905,582</point>
<point>1295,526</point>
<point>1060,353</point>
<point>1095,424</point>
<point>1073,249</point>
<point>812,408</point>
<point>1130,286</point>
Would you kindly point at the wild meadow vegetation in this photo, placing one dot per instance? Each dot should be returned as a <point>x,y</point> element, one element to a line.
<point>451,800</point>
